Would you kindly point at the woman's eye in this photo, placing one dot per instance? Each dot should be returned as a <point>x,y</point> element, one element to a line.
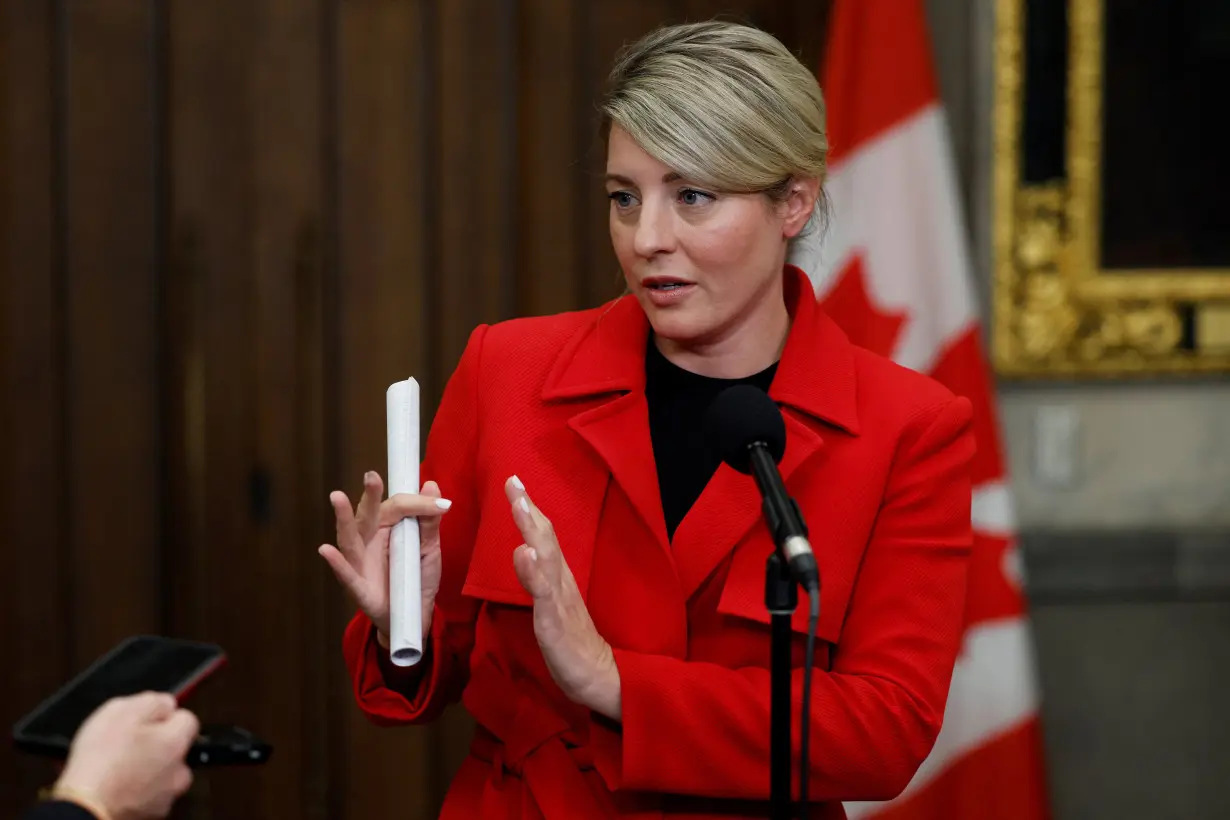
<point>622,199</point>
<point>688,196</point>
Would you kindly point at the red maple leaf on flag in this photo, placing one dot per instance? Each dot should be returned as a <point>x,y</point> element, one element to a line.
<point>960,366</point>
<point>866,324</point>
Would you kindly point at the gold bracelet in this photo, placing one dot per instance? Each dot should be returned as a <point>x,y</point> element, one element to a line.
<point>83,800</point>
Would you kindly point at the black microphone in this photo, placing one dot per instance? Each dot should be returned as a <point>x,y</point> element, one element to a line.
<point>747,430</point>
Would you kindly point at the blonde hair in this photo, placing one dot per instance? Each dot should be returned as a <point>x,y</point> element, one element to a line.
<point>724,105</point>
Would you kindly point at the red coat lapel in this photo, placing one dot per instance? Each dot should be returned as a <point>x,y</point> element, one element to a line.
<point>569,484</point>
<point>610,359</point>
<point>592,427</point>
<point>619,433</point>
<point>730,507</point>
<point>815,380</point>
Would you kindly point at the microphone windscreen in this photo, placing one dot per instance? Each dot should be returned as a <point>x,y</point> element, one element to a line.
<point>740,416</point>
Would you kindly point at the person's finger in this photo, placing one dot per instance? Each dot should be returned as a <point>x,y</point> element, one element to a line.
<point>429,526</point>
<point>153,706</point>
<point>410,505</point>
<point>180,730</point>
<point>122,703</point>
<point>181,781</point>
<point>537,530</point>
<point>535,527</point>
<point>348,540</point>
<point>346,574</point>
<point>368,515</point>
<point>529,572</point>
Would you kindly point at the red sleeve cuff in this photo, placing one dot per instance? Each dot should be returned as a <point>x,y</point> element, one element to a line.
<point>386,693</point>
<point>614,743</point>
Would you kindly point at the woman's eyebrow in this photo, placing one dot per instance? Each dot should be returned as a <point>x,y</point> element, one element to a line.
<point>623,180</point>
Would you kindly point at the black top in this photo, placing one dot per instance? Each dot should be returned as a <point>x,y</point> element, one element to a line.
<point>678,400</point>
<point>58,810</point>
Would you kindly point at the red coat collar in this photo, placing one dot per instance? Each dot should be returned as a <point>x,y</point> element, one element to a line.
<point>815,380</point>
<point>816,374</point>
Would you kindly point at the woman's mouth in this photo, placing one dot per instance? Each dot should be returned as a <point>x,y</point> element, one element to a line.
<point>666,291</point>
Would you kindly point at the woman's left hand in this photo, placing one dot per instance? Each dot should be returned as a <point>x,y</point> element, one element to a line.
<point>579,660</point>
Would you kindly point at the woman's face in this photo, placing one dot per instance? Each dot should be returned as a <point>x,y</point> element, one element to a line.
<point>702,265</point>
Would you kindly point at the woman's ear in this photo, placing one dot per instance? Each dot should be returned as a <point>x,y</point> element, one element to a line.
<point>799,204</point>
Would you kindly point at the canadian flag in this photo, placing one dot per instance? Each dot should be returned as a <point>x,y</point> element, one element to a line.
<point>893,269</point>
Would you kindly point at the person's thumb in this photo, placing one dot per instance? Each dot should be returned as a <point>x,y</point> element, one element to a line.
<point>154,706</point>
<point>429,526</point>
<point>181,728</point>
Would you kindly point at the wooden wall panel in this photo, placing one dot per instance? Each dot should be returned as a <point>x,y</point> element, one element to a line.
<point>226,227</point>
<point>386,200</point>
<point>476,112</point>
<point>301,218</point>
<point>248,281</point>
<point>801,24</point>
<point>204,295</point>
<point>36,619</point>
<point>273,636</point>
<point>739,11</point>
<point>112,389</point>
<point>210,351</point>
<point>550,270</point>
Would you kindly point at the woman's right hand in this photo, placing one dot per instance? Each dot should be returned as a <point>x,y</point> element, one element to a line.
<point>361,558</point>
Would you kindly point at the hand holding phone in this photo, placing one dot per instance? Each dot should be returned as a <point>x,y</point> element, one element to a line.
<point>128,757</point>
<point>144,663</point>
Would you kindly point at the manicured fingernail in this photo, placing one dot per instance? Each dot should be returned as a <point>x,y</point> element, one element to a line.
<point>517,483</point>
<point>533,553</point>
<point>523,504</point>
<point>369,476</point>
<point>443,503</point>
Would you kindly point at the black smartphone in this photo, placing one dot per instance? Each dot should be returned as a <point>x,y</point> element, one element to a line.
<point>138,664</point>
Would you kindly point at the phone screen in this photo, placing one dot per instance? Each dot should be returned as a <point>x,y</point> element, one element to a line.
<point>144,663</point>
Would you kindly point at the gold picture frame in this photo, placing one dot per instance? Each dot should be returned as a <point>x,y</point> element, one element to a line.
<point>1056,312</point>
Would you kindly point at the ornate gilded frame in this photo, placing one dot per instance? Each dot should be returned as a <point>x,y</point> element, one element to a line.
<point>1056,312</point>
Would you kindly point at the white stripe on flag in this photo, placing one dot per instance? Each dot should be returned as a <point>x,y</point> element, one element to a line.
<point>993,690</point>
<point>894,201</point>
<point>992,509</point>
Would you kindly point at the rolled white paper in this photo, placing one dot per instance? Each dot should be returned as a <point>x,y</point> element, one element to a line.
<point>405,589</point>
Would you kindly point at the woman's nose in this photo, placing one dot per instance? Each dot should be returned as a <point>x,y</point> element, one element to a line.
<point>654,230</point>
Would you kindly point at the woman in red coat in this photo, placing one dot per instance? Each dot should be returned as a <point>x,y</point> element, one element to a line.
<point>593,576</point>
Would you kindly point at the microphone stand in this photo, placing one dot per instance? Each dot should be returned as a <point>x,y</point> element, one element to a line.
<point>757,451</point>
<point>781,596</point>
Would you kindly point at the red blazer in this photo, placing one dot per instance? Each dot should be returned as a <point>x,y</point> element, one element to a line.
<point>877,457</point>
